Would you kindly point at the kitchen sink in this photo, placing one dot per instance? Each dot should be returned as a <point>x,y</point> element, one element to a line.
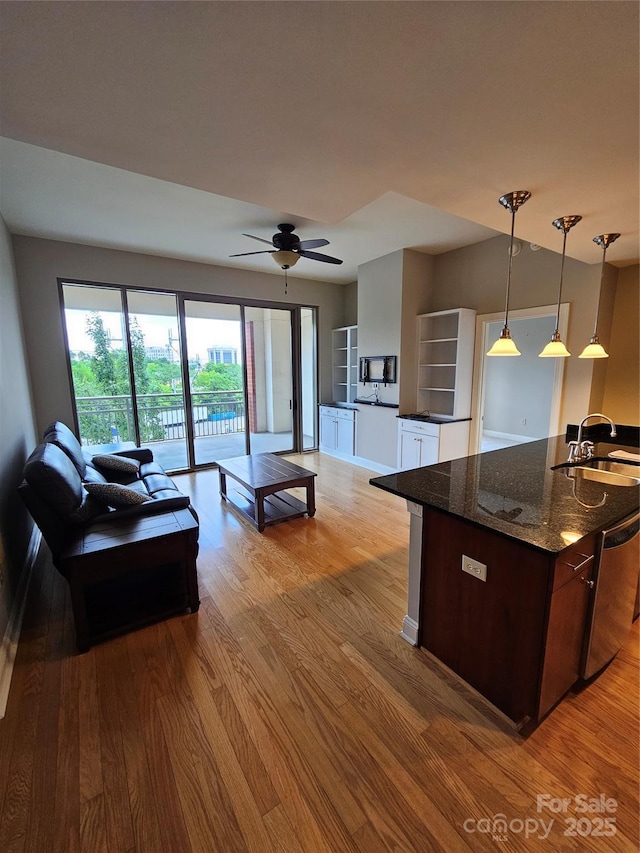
<point>608,471</point>
<point>616,466</point>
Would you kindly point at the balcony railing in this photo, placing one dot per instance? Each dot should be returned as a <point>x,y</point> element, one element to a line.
<point>161,416</point>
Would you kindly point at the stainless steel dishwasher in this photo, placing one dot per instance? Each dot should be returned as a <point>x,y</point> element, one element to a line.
<point>614,594</point>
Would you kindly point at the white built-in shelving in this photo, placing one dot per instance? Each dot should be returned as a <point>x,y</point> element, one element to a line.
<point>345,364</point>
<point>445,362</point>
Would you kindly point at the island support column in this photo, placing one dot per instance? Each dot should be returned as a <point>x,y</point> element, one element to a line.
<point>410,622</point>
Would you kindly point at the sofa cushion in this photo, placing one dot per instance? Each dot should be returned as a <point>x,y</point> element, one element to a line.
<point>158,482</point>
<point>51,473</point>
<point>59,434</point>
<point>111,462</point>
<point>113,494</point>
<point>92,475</point>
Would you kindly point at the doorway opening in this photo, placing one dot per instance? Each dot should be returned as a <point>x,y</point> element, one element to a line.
<point>517,400</point>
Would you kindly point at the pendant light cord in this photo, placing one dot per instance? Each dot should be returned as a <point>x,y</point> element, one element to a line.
<point>506,305</point>
<point>604,255</point>
<point>564,246</point>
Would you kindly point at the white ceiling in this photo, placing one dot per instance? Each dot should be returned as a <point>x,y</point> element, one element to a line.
<point>171,128</point>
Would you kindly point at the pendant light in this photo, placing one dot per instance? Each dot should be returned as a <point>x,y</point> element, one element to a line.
<point>505,345</point>
<point>555,348</point>
<point>594,348</point>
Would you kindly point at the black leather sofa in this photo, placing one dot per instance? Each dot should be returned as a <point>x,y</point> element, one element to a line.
<point>119,530</point>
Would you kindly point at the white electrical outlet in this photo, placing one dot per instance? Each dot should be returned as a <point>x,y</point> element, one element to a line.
<point>474,568</point>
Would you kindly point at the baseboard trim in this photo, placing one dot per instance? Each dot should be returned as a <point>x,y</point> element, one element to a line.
<point>9,646</point>
<point>361,462</point>
<point>409,630</point>
<point>509,436</point>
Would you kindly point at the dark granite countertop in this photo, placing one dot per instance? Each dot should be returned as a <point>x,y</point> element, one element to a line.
<point>431,419</point>
<point>340,405</point>
<point>514,493</point>
<point>363,401</point>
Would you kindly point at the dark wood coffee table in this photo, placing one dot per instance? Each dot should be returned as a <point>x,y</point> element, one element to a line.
<point>266,478</point>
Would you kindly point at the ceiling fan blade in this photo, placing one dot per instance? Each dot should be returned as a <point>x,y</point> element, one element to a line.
<point>312,244</point>
<point>316,256</point>
<point>268,242</point>
<point>263,252</point>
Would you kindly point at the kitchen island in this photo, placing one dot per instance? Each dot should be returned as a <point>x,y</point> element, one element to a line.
<point>500,568</point>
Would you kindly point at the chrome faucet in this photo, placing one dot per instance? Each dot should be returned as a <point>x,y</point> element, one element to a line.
<point>580,450</point>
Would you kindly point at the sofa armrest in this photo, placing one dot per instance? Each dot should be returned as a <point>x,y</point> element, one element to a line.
<point>142,454</point>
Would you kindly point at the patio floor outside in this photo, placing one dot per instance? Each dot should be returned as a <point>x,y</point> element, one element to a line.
<point>172,453</point>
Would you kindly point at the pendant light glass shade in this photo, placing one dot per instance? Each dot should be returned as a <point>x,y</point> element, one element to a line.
<point>594,348</point>
<point>555,348</point>
<point>505,345</point>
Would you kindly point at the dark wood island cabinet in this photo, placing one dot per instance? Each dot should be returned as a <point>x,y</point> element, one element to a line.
<point>512,625</point>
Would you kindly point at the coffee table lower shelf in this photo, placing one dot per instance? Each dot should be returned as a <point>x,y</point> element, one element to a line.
<point>280,506</point>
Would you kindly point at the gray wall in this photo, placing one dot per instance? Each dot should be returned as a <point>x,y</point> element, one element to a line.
<point>379,327</point>
<point>40,262</point>
<point>351,304</point>
<point>17,434</point>
<point>392,291</point>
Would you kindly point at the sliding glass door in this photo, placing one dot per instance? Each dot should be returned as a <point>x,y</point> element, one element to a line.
<point>125,362</point>
<point>195,379</point>
<point>213,334</point>
<point>269,379</point>
<point>308,379</point>
<point>99,364</point>
<point>152,320</point>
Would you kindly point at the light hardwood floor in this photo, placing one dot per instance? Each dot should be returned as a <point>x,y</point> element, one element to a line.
<point>288,715</point>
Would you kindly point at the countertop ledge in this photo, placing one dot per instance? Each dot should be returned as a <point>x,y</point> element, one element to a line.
<point>364,402</point>
<point>514,492</point>
<point>432,419</point>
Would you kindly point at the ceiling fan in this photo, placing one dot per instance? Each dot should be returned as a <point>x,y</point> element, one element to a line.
<point>288,248</point>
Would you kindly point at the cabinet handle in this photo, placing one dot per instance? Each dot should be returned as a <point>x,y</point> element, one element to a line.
<point>590,584</point>
<point>583,563</point>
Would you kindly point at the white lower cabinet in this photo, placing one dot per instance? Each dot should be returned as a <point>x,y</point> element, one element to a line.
<point>416,450</point>
<point>421,443</point>
<point>337,430</point>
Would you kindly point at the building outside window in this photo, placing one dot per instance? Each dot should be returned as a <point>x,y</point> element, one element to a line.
<point>223,355</point>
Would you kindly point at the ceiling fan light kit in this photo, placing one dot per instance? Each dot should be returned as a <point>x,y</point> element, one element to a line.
<point>284,259</point>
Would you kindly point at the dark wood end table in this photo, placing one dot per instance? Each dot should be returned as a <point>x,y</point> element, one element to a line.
<point>266,477</point>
